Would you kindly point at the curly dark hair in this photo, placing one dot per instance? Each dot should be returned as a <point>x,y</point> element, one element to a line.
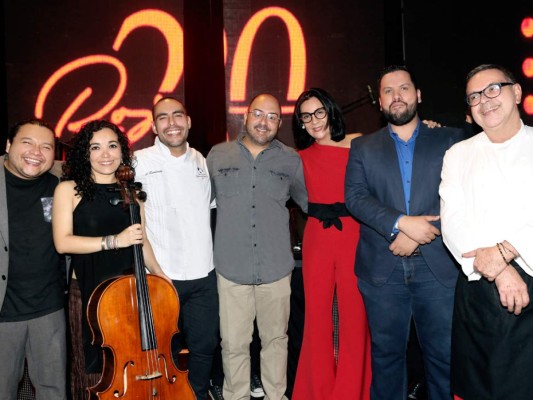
<point>337,127</point>
<point>77,166</point>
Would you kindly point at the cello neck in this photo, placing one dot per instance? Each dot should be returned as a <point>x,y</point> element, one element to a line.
<point>144,306</point>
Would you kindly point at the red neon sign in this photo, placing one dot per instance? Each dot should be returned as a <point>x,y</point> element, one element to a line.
<point>526,27</point>
<point>527,67</point>
<point>84,95</point>
<point>298,58</point>
<point>172,33</point>
<point>528,104</point>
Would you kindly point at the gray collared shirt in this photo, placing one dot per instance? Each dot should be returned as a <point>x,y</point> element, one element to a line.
<point>252,242</point>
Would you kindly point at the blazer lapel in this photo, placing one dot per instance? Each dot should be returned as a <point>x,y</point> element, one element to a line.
<point>394,176</point>
<point>421,165</point>
<point>3,208</point>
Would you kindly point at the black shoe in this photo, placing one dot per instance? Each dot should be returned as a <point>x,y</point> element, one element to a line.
<point>215,393</point>
<point>417,391</point>
<point>256,387</point>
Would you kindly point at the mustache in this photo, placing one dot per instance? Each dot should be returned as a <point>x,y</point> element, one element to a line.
<point>262,126</point>
<point>397,102</point>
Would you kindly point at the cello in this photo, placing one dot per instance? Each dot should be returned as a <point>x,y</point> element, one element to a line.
<point>133,319</point>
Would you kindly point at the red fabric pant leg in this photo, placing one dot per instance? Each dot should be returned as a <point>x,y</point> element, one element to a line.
<point>353,376</point>
<point>317,376</point>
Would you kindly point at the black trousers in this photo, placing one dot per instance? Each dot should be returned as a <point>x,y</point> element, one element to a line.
<point>492,349</point>
<point>296,326</point>
<point>199,328</point>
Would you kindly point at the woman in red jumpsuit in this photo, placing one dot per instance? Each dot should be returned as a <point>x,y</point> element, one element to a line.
<point>329,244</point>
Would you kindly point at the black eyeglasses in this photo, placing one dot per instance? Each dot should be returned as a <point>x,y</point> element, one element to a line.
<point>258,114</point>
<point>490,92</point>
<point>319,113</point>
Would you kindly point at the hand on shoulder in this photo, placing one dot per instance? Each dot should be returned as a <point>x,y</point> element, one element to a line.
<point>431,124</point>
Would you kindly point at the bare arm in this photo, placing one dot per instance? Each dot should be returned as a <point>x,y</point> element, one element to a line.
<point>148,252</point>
<point>65,201</point>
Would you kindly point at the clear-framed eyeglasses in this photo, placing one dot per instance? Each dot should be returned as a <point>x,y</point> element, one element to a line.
<point>319,113</point>
<point>258,114</point>
<point>490,92</point>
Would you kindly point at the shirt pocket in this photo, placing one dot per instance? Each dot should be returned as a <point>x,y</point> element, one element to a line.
<point>227,182</point>
<point>277,185</point>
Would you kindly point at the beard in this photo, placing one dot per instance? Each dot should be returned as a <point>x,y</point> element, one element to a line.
<point>401,117</point>
<point>262,138</point>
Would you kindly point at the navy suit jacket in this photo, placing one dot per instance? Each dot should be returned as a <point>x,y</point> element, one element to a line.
<point>374,195</point>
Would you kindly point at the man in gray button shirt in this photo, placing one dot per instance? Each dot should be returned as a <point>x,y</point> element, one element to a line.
<point>253,177</point>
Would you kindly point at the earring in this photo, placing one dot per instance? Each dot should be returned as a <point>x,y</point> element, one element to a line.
<point>303,126</point>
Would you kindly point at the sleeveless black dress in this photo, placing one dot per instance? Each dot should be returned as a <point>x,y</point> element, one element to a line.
<point>99,218</point>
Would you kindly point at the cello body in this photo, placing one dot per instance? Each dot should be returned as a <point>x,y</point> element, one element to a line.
<point>130,370</point>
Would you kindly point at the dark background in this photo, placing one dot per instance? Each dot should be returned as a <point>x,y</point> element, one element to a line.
<point>445,40</point>
<point>347,42</point>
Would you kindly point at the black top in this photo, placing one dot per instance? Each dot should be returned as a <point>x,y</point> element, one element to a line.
<point>99,218</point>
<point>36,284</point>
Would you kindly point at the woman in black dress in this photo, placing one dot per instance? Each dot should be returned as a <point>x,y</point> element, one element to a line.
<point>97,234</point>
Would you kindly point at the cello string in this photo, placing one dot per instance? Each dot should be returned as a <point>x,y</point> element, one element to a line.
<point>143,300</point>
<point>148,321</point>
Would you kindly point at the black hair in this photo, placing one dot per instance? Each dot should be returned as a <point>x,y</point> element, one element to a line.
<point>336,124</point>
<point>77,165</point>
<point>163,99</point>
<point>30,121</point>
<point>483,67</point>
<point>394,68</point>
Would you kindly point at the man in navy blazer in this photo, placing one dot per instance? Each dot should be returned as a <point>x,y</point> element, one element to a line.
<point>404,270</point>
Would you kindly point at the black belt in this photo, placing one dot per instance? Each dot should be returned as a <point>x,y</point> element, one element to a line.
<point>328,214</point>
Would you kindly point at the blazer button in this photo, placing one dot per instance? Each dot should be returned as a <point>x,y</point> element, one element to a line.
<point>4,277</point>
<point>5,248</point>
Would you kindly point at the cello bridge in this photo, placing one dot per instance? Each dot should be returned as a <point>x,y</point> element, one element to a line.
<point>146,377</point>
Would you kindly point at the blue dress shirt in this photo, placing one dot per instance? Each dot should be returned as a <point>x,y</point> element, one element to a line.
<point>405,151</point>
